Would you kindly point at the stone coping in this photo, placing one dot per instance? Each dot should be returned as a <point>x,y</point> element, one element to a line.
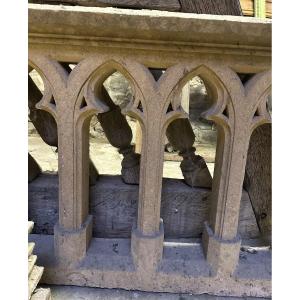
<point>148,26</point>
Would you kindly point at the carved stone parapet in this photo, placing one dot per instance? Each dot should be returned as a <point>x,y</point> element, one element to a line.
<point>115,40</point>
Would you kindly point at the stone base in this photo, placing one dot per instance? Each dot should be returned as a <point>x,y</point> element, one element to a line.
<point>183,269</point>
<point>70,246</point>
<point>147,251</point>
<point>222,255</point>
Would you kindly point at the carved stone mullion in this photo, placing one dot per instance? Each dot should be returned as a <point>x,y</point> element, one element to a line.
<point>220,238</point>
<point>147,238</point>
<point>73,231</point>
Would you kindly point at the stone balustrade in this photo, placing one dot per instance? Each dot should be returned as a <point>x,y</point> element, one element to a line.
<point>100,41</point>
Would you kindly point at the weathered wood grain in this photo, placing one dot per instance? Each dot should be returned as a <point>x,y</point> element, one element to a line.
<point>220,7</point>
<point>169,5</point>
<point>248,8</point>
<point>114,206</point>
<point>258,177</point>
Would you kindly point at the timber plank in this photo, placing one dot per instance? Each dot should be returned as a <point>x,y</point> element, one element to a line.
<point>168,5</point>
<point>220,7</point>
<point>258,177</point>
<point>113,205</point>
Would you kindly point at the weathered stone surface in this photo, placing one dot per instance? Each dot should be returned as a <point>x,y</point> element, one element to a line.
<point>34,279</point>
<point>31,262</point>
<point>147,251</point>
<point>41,294</point>
<point>30,226</point>
<point>183,269</point>
<point>114,207</point>
<point>30,248</point>
<point>221,255</point>
<point>71,245</point>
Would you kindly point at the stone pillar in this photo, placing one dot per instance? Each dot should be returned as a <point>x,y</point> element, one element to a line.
<point>72,105</point>
<point>220,239</point>
<point>73,232</point>
<point>147,238</point>
<point>236,120</point>
<point>148,234</point>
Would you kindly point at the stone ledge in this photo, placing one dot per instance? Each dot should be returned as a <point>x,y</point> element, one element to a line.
<point>92,24</point>
<point>108,264</point>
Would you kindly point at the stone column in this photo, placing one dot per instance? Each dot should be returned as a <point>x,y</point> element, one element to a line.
<point>65,97</point>
<point>151,108</point>
<point>148,234</point>
<point>147,238</point>
<point>73,232</point>
<point>220,239</point>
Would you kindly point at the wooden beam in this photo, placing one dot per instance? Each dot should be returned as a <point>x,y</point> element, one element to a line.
<point>260,8</point>
<point>220,7</point>
<point>168,5</point>
<point>258,177</point>
<point>248,8</point>
<point>114,207</point>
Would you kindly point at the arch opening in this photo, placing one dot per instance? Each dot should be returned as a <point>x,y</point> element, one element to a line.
<point>42,159</point>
